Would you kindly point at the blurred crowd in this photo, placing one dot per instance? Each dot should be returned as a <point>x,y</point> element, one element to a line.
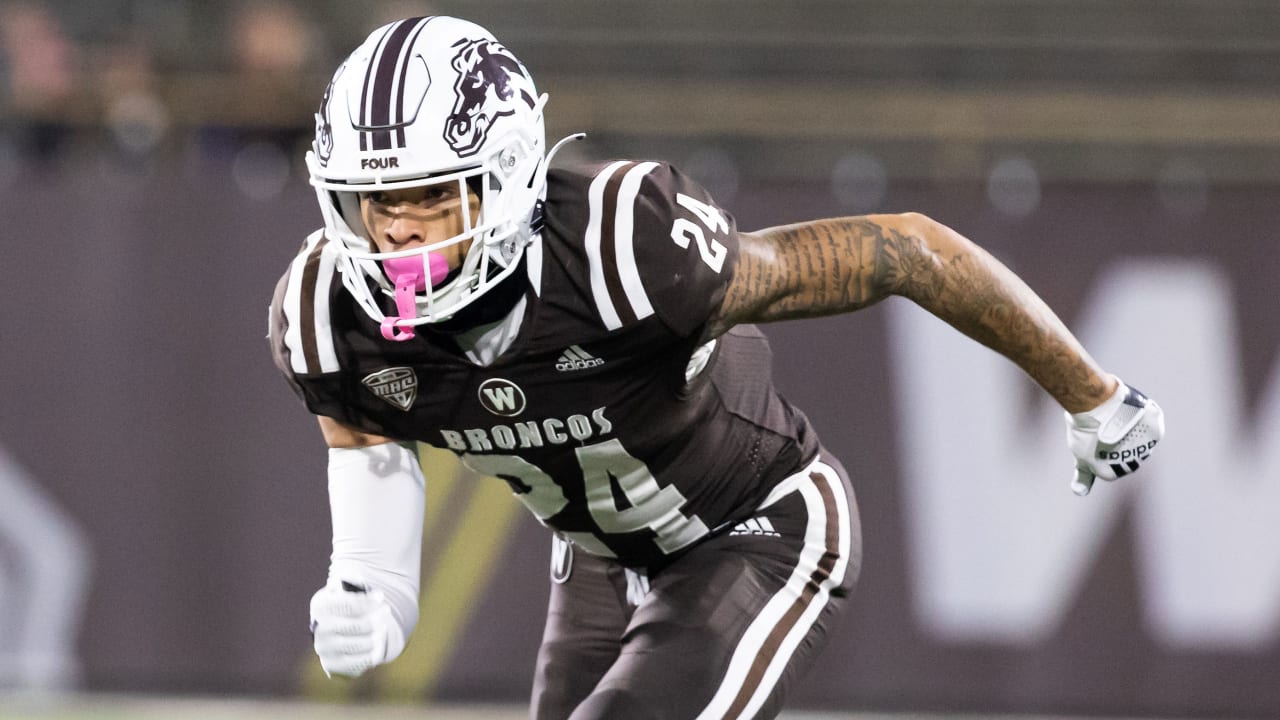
<point>860,93</point>
<point>142,79</point>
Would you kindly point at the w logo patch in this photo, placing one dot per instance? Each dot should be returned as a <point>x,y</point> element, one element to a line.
<point>502,397</point>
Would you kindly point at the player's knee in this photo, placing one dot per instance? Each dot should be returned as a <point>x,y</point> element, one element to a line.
<point>567,671</point>
<point>572,660</point>
<point>621,704</point>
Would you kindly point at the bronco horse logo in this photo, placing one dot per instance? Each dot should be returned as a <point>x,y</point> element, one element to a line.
<point>490,83</point>
<point>324,128</point>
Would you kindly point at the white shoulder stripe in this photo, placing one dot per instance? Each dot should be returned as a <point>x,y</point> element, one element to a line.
<point>324,329</point>
<point>624,230</point>
<point>599,290</point>
<point>293,308</point>
<point>302,308</point>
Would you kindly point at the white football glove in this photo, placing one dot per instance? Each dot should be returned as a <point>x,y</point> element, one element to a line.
<point>353,629</point>
<point>1113,439</point>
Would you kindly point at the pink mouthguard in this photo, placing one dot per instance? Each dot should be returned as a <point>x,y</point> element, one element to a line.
<point>407,275</point>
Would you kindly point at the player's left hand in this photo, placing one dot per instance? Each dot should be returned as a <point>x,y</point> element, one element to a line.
<point>1115,438</point>
<point>352,628</point>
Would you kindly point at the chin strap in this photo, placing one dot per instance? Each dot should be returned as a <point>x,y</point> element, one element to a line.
<point>406,305</point>
<point>409,278</point>
<point>540,177</point>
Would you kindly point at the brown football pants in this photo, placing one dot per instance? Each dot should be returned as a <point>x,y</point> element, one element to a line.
<point>724,631</point>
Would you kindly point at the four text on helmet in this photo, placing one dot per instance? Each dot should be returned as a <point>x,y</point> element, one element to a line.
<point>379,163</point>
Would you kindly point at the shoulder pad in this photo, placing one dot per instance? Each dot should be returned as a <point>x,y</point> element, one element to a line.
<point>300,329</point>
<point>656,243</point>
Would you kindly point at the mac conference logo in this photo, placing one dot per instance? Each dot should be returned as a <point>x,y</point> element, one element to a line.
<point>501,397</point>
<point>398,386</point>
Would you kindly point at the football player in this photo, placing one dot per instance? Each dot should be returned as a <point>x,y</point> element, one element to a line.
<point>587,335</point>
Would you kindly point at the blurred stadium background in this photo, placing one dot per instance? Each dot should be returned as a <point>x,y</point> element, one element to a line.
<point>162,509</point>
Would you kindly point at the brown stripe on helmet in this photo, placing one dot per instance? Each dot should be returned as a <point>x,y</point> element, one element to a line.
<point>307,301</point>
<point>404,76</point>
<point>817,578</point>
<point>608,247</point>
<point>383,79</point>
<point>365,89</point>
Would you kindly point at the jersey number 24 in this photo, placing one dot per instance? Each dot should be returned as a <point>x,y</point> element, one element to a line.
<point>651,506</point>
<point>684,230</point>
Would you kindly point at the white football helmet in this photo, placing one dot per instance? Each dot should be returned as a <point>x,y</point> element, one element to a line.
<point>425,101</point>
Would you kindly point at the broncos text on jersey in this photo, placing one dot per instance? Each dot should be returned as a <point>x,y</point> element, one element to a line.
<point>610,417</point>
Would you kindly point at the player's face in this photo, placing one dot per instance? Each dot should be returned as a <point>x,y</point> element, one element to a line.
<point>407,218</point>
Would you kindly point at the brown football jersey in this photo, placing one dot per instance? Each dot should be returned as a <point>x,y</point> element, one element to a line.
<point>609,416</point>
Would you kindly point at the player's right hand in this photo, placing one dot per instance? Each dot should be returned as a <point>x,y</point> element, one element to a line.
<point>1113,439</point>
<point>352,628</point>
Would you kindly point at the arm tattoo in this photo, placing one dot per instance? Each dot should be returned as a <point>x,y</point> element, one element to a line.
<point>832,266</point>
<point>823,267</point>
<point>979,296</point>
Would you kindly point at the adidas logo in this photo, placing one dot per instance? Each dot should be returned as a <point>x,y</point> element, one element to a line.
<point>575,358</point>
<point>755,526</point>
